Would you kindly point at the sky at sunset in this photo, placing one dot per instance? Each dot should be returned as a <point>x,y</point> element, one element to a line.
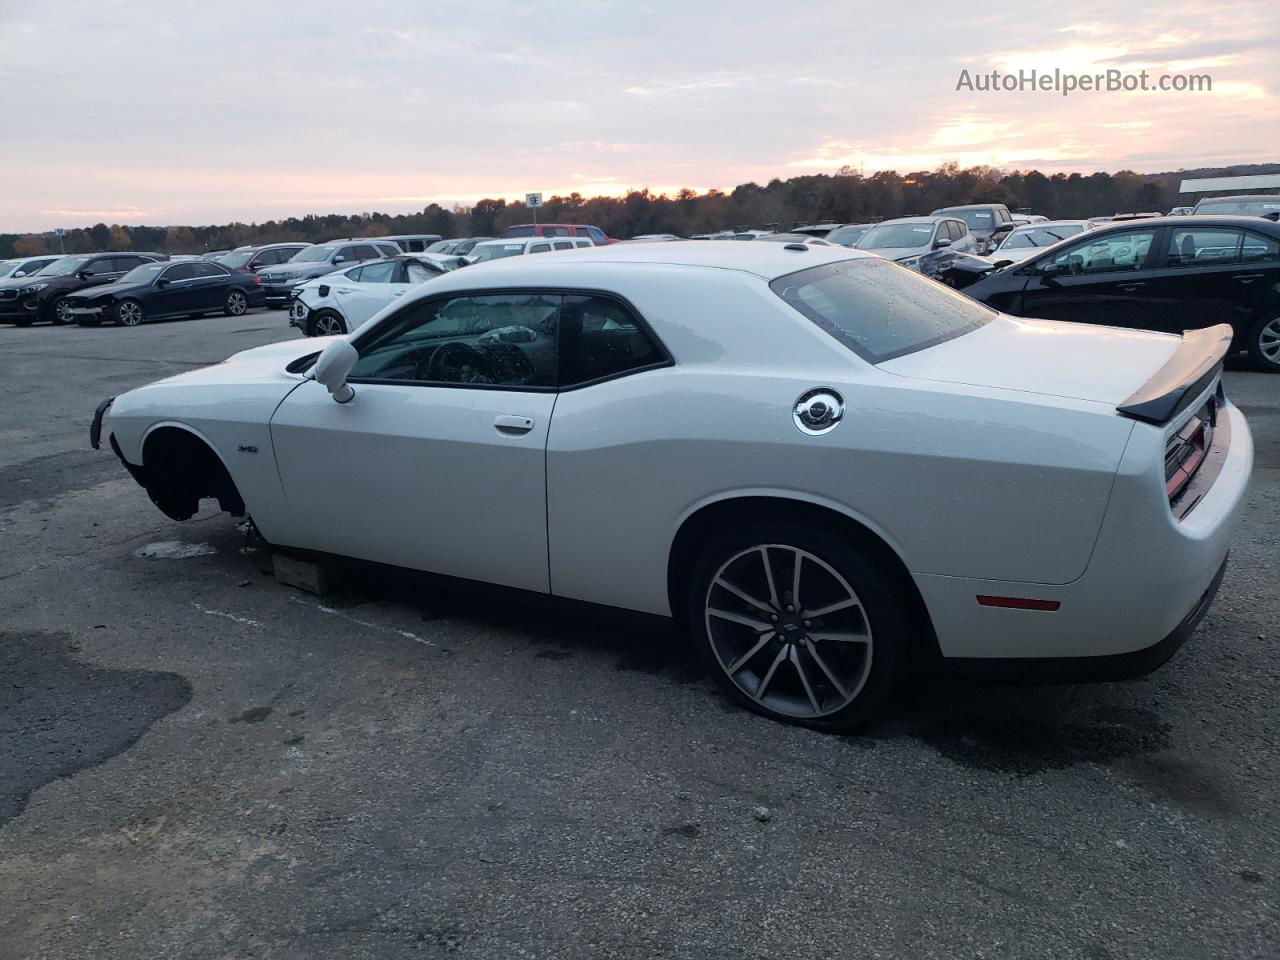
<point>168,113</point>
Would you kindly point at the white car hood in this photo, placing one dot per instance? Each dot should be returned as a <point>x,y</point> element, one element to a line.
<point>257,365</point>
<point>1077,360</point>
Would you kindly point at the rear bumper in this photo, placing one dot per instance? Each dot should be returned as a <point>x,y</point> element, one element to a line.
<point>1148,569</point>
<point>1099,669</point>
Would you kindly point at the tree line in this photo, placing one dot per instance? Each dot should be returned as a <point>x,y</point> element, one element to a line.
<point>846,197</point>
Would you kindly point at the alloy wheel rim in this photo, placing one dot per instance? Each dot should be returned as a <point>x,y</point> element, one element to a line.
<point>236,303</point>
<point>1269,341</point>
<point>789,631</point>
<point>130,314</point>
<point>63,310</point>
<point>328,326</point>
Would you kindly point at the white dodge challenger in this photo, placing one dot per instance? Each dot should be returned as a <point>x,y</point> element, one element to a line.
<point>831,470</point>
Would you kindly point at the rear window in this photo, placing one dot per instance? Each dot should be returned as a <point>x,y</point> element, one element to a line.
<point>878,309</point>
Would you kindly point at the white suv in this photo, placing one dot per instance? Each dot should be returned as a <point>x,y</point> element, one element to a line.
<point>517,246</point>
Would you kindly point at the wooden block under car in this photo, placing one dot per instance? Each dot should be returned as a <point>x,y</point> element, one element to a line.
<point>306,575</point>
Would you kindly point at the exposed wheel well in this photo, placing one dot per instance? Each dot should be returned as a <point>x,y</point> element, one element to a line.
<point>706,522</point>
<point>179,470</point>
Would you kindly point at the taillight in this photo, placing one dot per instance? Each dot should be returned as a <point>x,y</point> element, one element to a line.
<point>1186,450</point>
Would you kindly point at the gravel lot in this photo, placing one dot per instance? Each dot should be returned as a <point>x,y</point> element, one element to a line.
<point>196,761</point>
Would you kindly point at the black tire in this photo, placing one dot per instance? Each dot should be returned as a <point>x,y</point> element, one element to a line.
<point>321,318</point>
<point>57,315</point>
<point>236,304</point>
<point>1264,345</point>
<point>814,671</point>
<point>128,313</point>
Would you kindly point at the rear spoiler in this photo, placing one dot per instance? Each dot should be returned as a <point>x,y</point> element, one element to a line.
<point>1189,371</point>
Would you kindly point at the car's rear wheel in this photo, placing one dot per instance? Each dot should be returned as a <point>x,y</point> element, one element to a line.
<point>326,323</point>
<point>797,625</point>
<point>236,303</point>
<point>1264,345</point>
<point>61,312</point>
<point>129,313</point>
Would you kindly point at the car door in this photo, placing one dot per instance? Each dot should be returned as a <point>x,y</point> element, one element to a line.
<point>438,463</point>
<point>1103,278</point>
<point>366,290</point>
<point>1211,274</point>
<point>171,294</point>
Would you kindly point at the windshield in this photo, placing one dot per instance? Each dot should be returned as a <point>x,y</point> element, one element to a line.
<point>976,219</point>
<point>145,273</point>
<point>314,254</point>
<point>847,236</point>
<point>1247,208</point>
<point>497,251</point>
<point>890,235</point>
<point>878,309</point>
<point>236,258</point>
<point>1039,236</point>
<point>64,267</point>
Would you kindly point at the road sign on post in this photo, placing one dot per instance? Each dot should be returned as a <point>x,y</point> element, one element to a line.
<point>533,201</point>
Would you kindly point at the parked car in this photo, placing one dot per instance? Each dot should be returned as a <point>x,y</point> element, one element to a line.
<point>25,266</point>
<point>1001,499</point>
<point>458,247</point>
<point>923,244</point>
<point>518,246</point>
<point>317,260</point>
<point>42,297</point>
<point>253,258</point>
<point>986,221</point>
<point>163,290</point>
<point>595,234</point>
<point>1144,215</point>
<point>848,235</point>
<point>1187,273</point>
<point>1022,242</point>
<point>214,254</point>
<point>1181,211</point>
<point>341,302</point>
<point>1245,205</point>
<point>653,238</point>
<point>413,242</point>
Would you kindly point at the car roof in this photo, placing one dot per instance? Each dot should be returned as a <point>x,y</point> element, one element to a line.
<point>928,219</point>
<point>1049,223</point>
<point>971,206</point>
<point>767,260</point>
<point>1243,196</point>
<point>1201,220</point>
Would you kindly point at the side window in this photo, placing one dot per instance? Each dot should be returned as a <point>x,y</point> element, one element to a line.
<point>203,268</point>
<point>959,230</point>
<point>346,253</point>
<point>269,258</point>
<point>556,232</point>
<point>1203,246</point>
<point>597,235</point>
<point>417,273</point>
<point>601,339</point>
<point>563,245</point>
<point>581,232</point>
<point>539,247</point>
<point>1117,251</point>
<point>377,272</point>
<point>413,246</point>
<point>180,271</point>
<point>388,250</point>
<point>1257,248</point>
<point>506,340</point>
<point>367,251</point>
<point>102,265</point>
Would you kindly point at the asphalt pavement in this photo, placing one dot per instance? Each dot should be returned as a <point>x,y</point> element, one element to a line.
<point>199,762</point>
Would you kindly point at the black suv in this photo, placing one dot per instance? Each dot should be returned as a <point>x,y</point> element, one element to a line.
<point>40,296</point>
<point>254,258</point>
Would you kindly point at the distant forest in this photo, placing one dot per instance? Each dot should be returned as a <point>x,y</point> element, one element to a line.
<point>845,196</point>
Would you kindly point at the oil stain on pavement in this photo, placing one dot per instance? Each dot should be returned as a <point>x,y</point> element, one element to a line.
<point>60,715</point>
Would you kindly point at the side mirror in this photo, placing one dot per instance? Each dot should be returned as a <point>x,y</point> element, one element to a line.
<point>339,259</point>
<point>84,274</point>
<point>332,367</point>
<point>162,282</point>
<point>941,242</point>
<point>21,273</point>
<point>1050,272</point>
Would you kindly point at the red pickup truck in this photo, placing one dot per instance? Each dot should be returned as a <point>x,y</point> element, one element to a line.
<point>598,236</point>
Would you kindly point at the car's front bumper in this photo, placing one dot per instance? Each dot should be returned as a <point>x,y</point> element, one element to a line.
<point>25,307</point>
<point>278,293</point>
<point>298,312</point>
<point>1148,569</point>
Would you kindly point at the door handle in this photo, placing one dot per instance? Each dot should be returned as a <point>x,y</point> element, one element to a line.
<point>508,423</point>
<point>1247,277</point>
<point>1128,287</point>
<point>399,293</point>
<point>343,289</point>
